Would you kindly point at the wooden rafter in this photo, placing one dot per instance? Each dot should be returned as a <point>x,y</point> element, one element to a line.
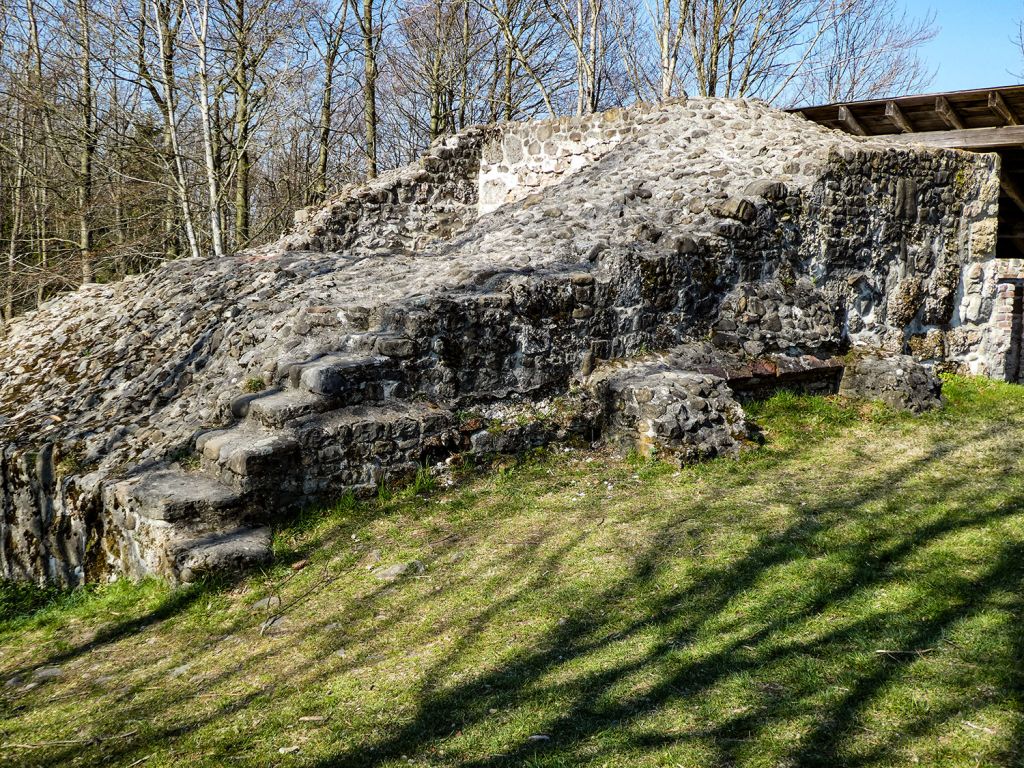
<point>896,116</point>
<point>850,122</point>
<point>954,110</point>
<point>949,116</point>
<point>997,104</point>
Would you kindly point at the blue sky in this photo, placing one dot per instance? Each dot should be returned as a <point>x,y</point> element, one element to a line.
<point>974,47</point>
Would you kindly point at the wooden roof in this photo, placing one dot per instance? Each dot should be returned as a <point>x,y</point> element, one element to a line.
<point>984,119</point>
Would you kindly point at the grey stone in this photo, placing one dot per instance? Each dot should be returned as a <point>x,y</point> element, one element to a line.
<point>896,380</point>
<point>661,411</point>
<point>768,189</point>
<point>270,603</point>
<point>47,673</point>
<point>173,496</point>
<point>398,570</point>
<point>219,551</point>
<point>737,208</point>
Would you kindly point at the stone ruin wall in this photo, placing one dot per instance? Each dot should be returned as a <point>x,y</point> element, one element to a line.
<point>403,210</point>
<point>890,249</point>
<point>897,239</point>
<point>523,158</point>
<point>912,233</point>
<point>966,325</point>
<point>906,242</point>
<point>460,178</point>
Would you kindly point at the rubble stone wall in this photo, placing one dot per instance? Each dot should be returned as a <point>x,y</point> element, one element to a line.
<point>523,158</point>
<point>165,423</point>
<point>432,199</point>
<point>904,241</point>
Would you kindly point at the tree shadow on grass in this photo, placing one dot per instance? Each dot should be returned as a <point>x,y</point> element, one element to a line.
<point>603,719</point>
<point>683,615</point>
<point>170,604</point>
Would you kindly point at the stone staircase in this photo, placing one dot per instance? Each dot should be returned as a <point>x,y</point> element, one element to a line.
<point>349,421</point>
<point>334,424</point>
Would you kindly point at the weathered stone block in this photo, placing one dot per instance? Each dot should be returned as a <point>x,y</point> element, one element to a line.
<point>897,380</point>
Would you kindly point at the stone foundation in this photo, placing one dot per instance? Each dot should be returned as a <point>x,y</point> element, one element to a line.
<point>724,249</point>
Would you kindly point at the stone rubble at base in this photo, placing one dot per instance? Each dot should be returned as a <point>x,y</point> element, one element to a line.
<point>634,275</point>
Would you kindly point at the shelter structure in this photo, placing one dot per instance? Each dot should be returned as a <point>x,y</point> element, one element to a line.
<point>982,120</point>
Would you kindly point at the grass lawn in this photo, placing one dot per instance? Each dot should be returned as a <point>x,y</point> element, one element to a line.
<point>850,594</point>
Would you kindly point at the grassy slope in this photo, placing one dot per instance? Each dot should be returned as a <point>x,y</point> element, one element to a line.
<point>851,594</point>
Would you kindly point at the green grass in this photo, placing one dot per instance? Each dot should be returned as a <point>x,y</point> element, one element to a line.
<point>849,594</point>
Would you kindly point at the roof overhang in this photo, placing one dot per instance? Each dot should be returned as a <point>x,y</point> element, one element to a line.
<point>983,120</point>
<point>979,120</point>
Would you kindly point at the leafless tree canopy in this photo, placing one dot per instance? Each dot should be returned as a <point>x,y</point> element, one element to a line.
<point>136,131</point>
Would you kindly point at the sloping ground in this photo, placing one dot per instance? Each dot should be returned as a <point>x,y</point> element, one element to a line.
<point>850,594</point>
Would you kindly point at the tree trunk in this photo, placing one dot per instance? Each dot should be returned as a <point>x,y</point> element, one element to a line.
<point>87,152</point>
<point>324,134</point>
<point>370,88</point>
<point>41,185</point>
<point>170,224</point>
<point>17,215</point>
<point>199,33</point>
<point>161,11</point>
<point>242,127</point>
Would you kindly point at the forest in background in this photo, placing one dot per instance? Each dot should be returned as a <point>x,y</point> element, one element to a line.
<point>138,131</point>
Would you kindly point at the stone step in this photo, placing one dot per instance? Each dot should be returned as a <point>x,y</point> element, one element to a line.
<point>358,447</point>
<point>177,496</point>
<point>280,407</point>
<point>347,379</point>
<point>228,551</point>
<point>248,458</point>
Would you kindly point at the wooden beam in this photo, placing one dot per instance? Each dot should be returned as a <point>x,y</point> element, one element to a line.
<point>852,124</point>
<point>895,114</point>
<point>978,139</point>
<point>949,116</point>
<point>998,105</point>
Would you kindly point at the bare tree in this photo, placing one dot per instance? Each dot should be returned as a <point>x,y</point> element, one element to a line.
<point>528,60</point>
<point>197,13</point>
<point>370,23</point>
<point>585,25</point>
<point>87,143</point>
<point>871,52</point>
<point>136,131</point>
<point>670,26</point>
<point>167,17</point>
<point>327,37</point>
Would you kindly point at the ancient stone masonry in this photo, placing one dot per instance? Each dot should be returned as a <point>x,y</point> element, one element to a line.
<point>403,210</point>
<point>523,158</point>
<point>633,276</point>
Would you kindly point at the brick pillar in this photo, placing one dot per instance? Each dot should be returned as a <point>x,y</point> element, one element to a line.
<point>1006,331</point>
